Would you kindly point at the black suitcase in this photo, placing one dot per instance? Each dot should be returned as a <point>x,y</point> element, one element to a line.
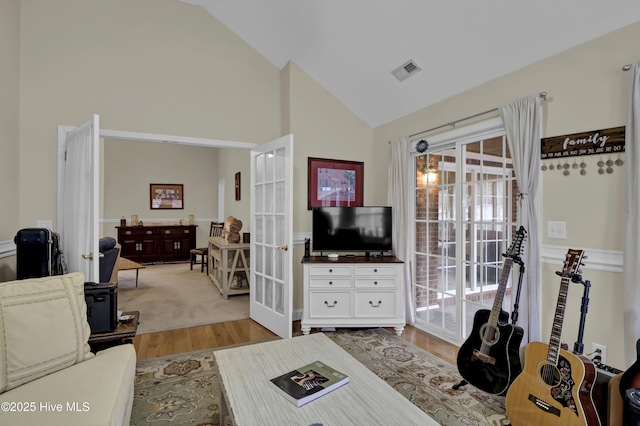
<point>38,253</point>
<point>102,302</point>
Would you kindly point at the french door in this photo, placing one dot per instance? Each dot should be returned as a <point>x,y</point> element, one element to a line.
<point>272,235</point>
<point>465,211</point>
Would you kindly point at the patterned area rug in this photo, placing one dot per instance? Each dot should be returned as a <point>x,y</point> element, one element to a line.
<point>184,389</point>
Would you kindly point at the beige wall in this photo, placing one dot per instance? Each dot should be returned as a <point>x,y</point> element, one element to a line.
<point>9,126</point>
<point>129,168</point>
<point>156,66</point>
<point>587,91</point>
<point>322,127</point>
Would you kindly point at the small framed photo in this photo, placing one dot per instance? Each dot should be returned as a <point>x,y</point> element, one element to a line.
<point>334,183</point>
<point>237,186</point>
<point>166,196</point>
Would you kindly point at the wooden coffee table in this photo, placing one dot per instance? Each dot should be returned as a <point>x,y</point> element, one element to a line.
<point>125,264</point>
<point>248,399</point>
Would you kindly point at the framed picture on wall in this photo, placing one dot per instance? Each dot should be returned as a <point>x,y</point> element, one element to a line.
<point>166,196</point>
<point>334,182</point>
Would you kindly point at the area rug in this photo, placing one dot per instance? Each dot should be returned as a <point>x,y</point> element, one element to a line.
<point>184,389</point>
<point>171,296</point>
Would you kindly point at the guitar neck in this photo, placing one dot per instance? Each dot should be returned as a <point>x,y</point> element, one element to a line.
<point>558,319</point>
<point>502,288</point>
<point>571,265</point>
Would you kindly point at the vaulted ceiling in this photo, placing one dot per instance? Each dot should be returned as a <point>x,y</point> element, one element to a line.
<point>350,47</point>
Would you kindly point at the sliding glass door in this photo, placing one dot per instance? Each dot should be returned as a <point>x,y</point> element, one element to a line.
<point>464,216</point>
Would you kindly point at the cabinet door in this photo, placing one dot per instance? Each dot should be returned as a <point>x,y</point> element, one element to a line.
<point>128,241</point>
<point>147,247</point>
<point>167,247</point>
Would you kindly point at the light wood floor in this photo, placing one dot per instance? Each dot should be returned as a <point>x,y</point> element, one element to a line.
<point>171,342</point>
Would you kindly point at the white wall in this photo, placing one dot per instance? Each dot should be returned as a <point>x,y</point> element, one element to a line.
<point>586,91</point>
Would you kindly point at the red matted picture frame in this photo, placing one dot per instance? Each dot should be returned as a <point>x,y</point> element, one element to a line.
<point>166,196</point>
<point>334,183</point>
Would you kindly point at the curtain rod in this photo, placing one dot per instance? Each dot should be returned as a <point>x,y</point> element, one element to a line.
<point>543,95</point>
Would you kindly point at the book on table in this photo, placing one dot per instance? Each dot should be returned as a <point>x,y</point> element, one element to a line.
<point>309,382</point>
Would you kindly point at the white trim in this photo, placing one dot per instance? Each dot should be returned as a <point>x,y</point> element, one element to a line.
<point>153,137</point>
<point>7,249</point>
<point>596,259</point>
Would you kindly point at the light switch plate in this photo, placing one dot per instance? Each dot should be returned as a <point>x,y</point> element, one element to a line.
<point>557,230</point>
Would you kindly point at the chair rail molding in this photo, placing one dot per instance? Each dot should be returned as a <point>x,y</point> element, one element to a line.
<point>597,259</point>
<point>7,249</point>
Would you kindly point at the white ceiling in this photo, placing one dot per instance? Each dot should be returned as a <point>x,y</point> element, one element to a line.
<point>350,47</point>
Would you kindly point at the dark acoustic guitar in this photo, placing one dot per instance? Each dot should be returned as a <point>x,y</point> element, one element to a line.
<point>631,377</point>
<point>555,386</point>
<point>489,359</point>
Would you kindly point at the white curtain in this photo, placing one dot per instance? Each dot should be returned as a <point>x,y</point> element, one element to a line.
<point>398,198</point>
<point>523,123</point>
<point>632,219</point>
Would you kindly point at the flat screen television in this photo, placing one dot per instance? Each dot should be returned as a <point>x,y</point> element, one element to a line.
<point>352,229</point>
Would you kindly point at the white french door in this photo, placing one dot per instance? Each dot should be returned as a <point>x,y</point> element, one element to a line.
<point>78,194</point>
<point>272,235</point>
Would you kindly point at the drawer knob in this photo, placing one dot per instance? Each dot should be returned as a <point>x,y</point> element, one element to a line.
<point>330,270</point>
<point>149,232</point>
<point>375,306</point>
<point>335,302</point>
<point>375,270</point>
<point>128,232</point>
<point>375,282</point>
<point>166,231</point>
<point>330,282</point>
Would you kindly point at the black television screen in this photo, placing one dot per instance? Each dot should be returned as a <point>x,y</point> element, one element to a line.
<point>352,229</point>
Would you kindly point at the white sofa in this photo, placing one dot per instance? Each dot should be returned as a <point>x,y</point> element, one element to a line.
<point>48,376</point>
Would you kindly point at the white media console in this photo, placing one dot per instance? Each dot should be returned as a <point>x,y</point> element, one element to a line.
<point>359,291</point>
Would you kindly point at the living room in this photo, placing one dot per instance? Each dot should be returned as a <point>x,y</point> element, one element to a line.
<point>140,66</point>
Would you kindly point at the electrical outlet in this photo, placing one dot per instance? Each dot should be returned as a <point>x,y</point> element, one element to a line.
<point>603,352</point>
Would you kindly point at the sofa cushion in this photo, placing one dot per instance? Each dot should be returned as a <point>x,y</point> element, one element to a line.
<point>43,327</point>
<point>98,392</point>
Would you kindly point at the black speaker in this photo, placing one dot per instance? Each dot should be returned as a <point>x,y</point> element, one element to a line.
<point>102,302</point>
<point>632,407</point>
<point>307,248</point>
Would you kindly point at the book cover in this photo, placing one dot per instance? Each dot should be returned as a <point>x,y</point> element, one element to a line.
<point>309,382</point>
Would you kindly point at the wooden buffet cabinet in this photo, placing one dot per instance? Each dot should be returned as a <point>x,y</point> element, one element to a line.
<point>156,243</point>
<point>355,291</point>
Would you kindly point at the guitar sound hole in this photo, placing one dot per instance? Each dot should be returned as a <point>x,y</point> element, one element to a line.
<point>550,375</point>
<point>489,335</point>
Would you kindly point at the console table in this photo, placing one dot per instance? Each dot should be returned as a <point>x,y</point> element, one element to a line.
<point>227,260</point>
<point>156,243</point>
<point>355,291</point>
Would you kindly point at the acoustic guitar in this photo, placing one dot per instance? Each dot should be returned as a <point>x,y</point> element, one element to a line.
<point>555,386</point>
<point>489,359</point>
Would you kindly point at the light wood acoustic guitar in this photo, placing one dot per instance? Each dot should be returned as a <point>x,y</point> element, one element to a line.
<point>490,357</point>
<point>555,386</point>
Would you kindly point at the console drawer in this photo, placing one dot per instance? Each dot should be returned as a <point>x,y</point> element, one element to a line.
<point>324,270</point>
<point>376,283</point>
<point>330,282</point>
<point>330,304</point>
<point>371,304</point>
<point>375,270</point>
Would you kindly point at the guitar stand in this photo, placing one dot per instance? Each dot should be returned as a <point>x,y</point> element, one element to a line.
<point>514,314</point>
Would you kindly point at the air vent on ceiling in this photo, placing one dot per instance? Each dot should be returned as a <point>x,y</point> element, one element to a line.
<point>405,70</point>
